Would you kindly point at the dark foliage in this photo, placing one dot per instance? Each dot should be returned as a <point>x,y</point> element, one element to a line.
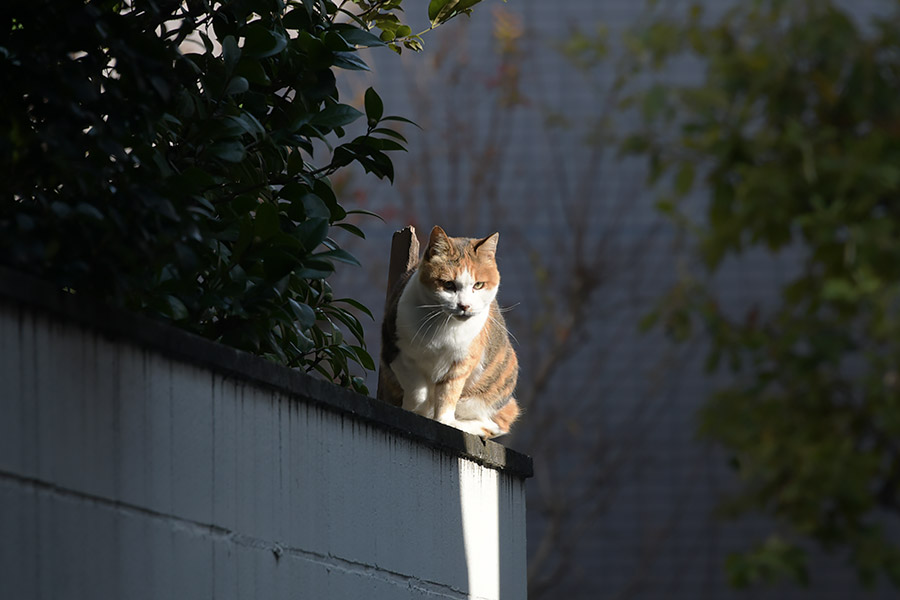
<point>174,158</point>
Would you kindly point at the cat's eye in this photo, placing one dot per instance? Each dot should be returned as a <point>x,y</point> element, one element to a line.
<point>478,285</point>
<point>450,286</point>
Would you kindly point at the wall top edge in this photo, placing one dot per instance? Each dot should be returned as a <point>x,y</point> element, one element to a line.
<point>33,294</point>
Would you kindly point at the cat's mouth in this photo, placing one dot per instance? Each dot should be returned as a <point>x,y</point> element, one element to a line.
<point>461,315</point>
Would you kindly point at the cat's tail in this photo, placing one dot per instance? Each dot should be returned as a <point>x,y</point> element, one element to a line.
<point>506,416</point>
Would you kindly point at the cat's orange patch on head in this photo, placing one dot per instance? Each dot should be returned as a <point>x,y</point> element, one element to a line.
<point>447,258</point>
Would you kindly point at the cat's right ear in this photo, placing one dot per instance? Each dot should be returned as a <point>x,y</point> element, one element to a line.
<point>488,246</point>
<point>438,243</point>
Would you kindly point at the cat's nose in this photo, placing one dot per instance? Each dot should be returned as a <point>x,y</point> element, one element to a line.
<point>463,307</point>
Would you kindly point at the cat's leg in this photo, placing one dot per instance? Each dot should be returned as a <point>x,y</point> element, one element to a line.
<point>447,405</point>
<point>415,387</point>
<point>417,401</point>
<point>446,396</point>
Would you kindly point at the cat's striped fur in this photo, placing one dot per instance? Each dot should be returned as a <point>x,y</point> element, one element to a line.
<point>446,352</point>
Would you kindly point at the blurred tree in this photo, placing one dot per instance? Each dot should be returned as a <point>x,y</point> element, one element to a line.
<point>791,138</point>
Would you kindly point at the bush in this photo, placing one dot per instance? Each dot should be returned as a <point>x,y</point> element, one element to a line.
<point>174,158</point>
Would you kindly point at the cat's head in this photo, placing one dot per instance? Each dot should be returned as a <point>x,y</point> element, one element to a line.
<point>460,273</point>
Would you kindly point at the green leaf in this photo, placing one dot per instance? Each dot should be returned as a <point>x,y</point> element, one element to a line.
<point>338,254</point>
<point>391,133</point>
<point>352,229</point>
<point>295,162</point>
<point>175,309</point>
<point>237,85</point>
<point>246,123</point>
<point>266,222</point>
<point>349,320</point>
<point>335,115</point>
<point>323,190</point>
<point>231,151</point>
<point>253,71</point>
<point>414,43</point>
<point>336,43</point>
<point>359,386</point>
<point>400,119</point>
<point>364,358</point>
<point>389,145</point>
<point>304,315</point>
<point>357,305</point>
<point>436,7</point>
<point>387,21</point>
<point>360,211</point>
<point>315,207</point>
<point>350,61</point>
<point>359,37</point>
<point>298,19</point>
<point>260,42</point>
<point>440,11</point>
<point>231,54</point>
<point>311,233</point>
<point>374,105</point>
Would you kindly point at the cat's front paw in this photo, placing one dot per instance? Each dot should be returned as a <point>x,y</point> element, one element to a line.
<point>483,429</point>
<point>490,430</point>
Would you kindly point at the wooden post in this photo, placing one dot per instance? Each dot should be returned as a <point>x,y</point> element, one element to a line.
<point>404,256</point>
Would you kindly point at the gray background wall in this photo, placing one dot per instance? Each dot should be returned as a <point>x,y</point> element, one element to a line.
<point>622,505</point>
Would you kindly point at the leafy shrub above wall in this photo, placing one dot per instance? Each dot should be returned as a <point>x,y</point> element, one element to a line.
<point>174,158</point>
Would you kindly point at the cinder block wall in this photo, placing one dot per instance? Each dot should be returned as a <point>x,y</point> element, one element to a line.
<point>137,461</point>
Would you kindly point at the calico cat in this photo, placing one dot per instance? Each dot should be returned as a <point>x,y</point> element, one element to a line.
<point>445,347</point>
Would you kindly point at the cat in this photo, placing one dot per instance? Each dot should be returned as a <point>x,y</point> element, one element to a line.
<point>446,352</point>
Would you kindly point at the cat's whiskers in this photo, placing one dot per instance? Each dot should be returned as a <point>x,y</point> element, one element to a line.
<point>504,328</point>
<point>509,308</point>
<point>428,318</point>
<point>433,325</point>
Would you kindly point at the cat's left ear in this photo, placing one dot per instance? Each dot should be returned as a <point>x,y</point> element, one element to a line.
<point>487,248</point>
<point>438,244</point>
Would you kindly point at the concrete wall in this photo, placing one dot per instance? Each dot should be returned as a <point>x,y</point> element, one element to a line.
<point>137,461</point>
